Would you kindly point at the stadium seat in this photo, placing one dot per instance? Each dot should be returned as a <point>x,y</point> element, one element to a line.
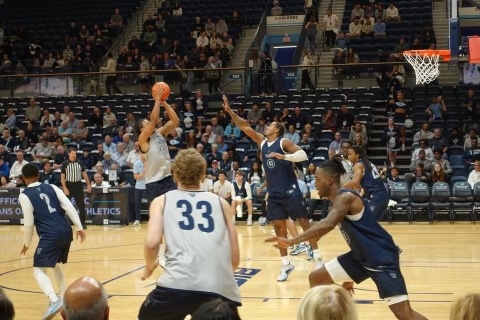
<point>440,200</point>
<point>420,198</point>
<point>399,193</point>
<point>462,200</point>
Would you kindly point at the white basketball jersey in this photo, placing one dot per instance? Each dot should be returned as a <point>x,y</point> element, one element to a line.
<point>158,162</point>
<point>198,253</point>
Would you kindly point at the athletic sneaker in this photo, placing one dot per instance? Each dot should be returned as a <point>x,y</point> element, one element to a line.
<point>249,222</point>
<point>285,272</point>
<point>309,252</point>
<point>53,309</point>
<point>262,221</point>
<point>299,249</point>
<point>136,223</point>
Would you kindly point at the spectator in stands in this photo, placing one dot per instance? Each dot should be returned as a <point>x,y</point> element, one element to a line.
<point>392,177</point>
<point>108,145</point>
<point>436,109</point>
<point>292,134</point>
<point>57,121</point>
<point>276,9</point>
<point>351,60</point>
<point>444,163</point>
<point>11,122</point>
<point>65,132</point>
<point>307,61</point>
<point>221,26</point>
<point>120,156</point>
<point>33,111</point>
<point>358,141</point>
<point>212,74</point>
<point>4,182</point>
<point>22,142</point>
<point>335,146</point>
<point>402,109</point>
<point>419,175</point>
<point>98,181</point>
<point>200,104</point>
<point>312,30</point>
<point>474,176</point>
<point>438,174</point>
<point>4,168</point>
<point>391,137</point>
<point>357,12</point>
<point>46,118</point>
<point>108,116</point>
<point>428,35</point>
<point>341,44</point>
<point>331,22</point>
<point>470,124</point>
<point>402,46</point>
<point>392,13</point>
<point>472,134</point>
<point>423,145</point>
<point>266,71</point>
<point>367,28</point>
<point>344,118</point>
<point>355,28</point>
<point>111,78</point>
<point>329,121</point>
<point>439,141</point>
<point>177,10</point>
<point>16,169</point>
<point>422,158</point>
<point>297,119</point>
<point>254,114</point>
<point>47,176</point>
<point>424,133</point>
<point>307,146</point>
<point>379,28</point>
<point>455,138</point>
<point>225,163</point>
<point>197,28</point>
<point>358,127</point>
<point>471,154</point>
<point>116,22</point>
<point>327,302</point>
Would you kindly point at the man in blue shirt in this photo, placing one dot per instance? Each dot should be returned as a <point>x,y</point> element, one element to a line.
<point>44,207</point>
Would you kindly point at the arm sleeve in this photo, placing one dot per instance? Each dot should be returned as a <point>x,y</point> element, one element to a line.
<point>68,207</point>
<point>298,156</point>
<point>28,220</point>
<point>249,191</point>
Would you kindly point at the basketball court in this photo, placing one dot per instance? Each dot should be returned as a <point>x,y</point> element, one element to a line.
<point>440,262</point>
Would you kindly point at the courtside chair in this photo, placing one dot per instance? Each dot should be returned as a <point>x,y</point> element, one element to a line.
<point>462,200</point>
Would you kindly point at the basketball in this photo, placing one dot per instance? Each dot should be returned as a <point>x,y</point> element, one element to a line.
<point>157,86</point>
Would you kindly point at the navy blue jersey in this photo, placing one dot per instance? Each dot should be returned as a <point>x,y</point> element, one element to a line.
<point>49,216</point>
<point>279,173</point>
<point>371,245</point>
<point>372,183</point>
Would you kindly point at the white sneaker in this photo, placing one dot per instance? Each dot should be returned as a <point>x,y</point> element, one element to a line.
<point>53,309</point>
<point>239,211</point>
<point>249,222</point>
<point>319,263</point>
<point>162,259</point>
<point>136,223</point>
<point>285,272</point>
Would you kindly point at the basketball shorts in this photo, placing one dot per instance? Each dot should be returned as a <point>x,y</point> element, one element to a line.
<point>378,205</point>
<point>51,252</point>
<point>171,304</point>
<point>289,205</point>
<point>399,119</point>
<point>160,187</point>
<point>388,279</point>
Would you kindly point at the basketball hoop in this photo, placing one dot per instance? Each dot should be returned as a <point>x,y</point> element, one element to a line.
<point>425,63</point>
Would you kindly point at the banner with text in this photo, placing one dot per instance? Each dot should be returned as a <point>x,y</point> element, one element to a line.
<point>104,206</point>
<point>282,21</point>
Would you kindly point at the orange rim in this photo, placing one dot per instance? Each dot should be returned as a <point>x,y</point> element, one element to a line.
<point>445,54</point>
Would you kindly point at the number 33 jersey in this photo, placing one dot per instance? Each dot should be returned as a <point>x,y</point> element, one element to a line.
<point>199,256</point>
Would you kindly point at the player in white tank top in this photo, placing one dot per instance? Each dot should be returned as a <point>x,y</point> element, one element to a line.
<point>202,243</point>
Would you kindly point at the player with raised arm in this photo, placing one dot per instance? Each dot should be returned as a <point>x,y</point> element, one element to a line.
<point>373,253</point>
<point>202,245</point>
<point>44,207</point>
<point>154,149</point>
<point>284,196</point>
<point>367,177</point>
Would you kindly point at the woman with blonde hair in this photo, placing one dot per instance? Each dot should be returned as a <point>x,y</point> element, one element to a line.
<point>327,303</point>
<point>466,307</point>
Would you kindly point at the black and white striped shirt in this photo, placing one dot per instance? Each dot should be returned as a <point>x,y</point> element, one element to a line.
<point>73,171</point>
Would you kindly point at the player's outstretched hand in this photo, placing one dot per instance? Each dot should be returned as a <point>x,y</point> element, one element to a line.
<point>147,272</point>
<point>160,91</point>
<point>82,235</point>
<point>282,242</point>
<point>24,250</point>
<point>349,287</point>
<point>226,105</point>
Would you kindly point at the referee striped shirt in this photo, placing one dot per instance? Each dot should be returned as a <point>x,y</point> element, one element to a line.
<point>73,171</point>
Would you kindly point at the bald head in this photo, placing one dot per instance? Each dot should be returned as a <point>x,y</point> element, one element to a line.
<point>85,299</point>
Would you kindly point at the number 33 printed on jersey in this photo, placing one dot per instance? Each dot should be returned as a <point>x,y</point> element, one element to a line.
<point>189,222</point>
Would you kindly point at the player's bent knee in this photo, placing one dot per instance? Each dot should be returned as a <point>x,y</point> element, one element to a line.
<point>319,277</point>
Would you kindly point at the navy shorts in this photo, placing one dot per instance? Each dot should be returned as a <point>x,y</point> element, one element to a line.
<point>388,279</point>
<point>289,205</point>
<point>160,187</point>
<point>378,205</point>
<point>171,304</point>
<point>51,252</point>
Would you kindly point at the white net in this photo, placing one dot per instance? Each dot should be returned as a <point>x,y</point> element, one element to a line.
<point>425,66</point>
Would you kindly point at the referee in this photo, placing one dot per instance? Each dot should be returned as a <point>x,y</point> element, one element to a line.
<point>72,173</point>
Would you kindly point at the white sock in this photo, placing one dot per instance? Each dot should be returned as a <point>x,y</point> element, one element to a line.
<point>316,254</point>
<point>40,274</point>
<point>285,261</point>
<point>59,279</point>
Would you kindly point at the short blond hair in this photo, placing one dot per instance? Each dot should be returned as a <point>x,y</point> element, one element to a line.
<point>189,167</point>
<point>466,307</point>
<point>327,302</point>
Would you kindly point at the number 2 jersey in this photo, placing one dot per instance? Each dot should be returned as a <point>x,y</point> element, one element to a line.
<point>48,214</point>
<point>199,256</point>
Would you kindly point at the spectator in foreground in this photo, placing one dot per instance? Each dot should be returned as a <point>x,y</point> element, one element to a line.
<point>216,309</point>
<point>327,302</point>
<point>84,299</point>
<point>7,311</point>
<point>466,307</point>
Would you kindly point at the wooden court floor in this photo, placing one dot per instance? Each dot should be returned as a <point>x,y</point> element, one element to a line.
<point>440,262</point>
